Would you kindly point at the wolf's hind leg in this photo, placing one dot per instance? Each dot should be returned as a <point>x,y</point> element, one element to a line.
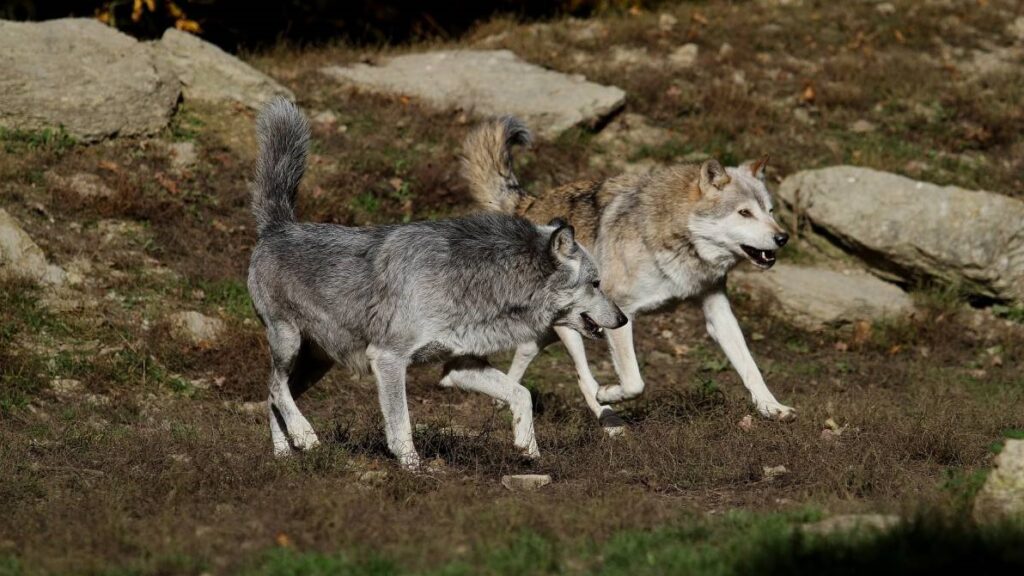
<point>389,370</point>
<point>525,354</point>
<point>610,421</point>
<point>285,347</point>
<point>631,384</point>
<point>475,374</point>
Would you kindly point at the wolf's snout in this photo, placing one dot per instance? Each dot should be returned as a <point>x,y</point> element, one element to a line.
<point>781,239</point>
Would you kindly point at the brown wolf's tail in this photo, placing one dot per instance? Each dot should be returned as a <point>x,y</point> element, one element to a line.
<point>487,163</point>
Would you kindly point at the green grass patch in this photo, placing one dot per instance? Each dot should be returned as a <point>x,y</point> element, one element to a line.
<point>51,139</point>
<point>23,370</point>
<point>231,295</point>
<point>186,125</point>
<point>736,544</point>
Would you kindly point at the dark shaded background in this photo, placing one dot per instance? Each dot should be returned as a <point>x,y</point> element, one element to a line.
<point>234,24</point>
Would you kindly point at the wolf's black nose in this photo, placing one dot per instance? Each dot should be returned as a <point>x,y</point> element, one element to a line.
<point>781,239</point>
<point>621,320</point>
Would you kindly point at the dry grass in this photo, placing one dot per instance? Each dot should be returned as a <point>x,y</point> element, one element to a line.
<point>151,465</point>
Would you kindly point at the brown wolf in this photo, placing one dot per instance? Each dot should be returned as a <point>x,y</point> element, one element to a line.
<point>670,234</point>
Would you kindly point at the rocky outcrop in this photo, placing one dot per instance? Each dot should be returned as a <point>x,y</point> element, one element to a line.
<point>86,77</point>
<point>489,82</point>
<point>906,230</point>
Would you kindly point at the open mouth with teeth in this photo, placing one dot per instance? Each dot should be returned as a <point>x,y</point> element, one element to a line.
<point>590,327</point>
<point>761,258</point>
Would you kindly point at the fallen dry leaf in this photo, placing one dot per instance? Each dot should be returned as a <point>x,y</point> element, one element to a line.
<point>809,94</point>
<point>746,423</point>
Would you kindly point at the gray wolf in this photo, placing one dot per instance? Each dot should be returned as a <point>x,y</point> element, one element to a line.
<point>671,234</point>
<point>390,296</point>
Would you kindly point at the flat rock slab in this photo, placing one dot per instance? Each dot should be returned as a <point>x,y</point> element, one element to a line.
<point>814,298</point>
<point>210,74</point>
<point>20,257</point>
<point>1002,495</point>
<point>490,82</point>
<point>525,482</point>
<point>907,230</point>
<point>85,76</point>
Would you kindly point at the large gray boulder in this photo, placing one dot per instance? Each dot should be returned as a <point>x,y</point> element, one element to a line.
<point>489,82</point>
<point>20,257</point>
<point>1002,495</point>
<point>210,74</point>
<point>907,230</point>
<point>815,298</point>
<point>87,77</point>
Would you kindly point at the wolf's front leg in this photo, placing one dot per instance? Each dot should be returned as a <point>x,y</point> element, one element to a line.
<point>389,370</point>
<point>631,384</point>
<point>475,374</point>
<point>724,329</point>
<point>609,420</point>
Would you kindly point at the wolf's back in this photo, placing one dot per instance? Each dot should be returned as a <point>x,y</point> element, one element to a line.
<point>487,163</point>
<point>283,134</point>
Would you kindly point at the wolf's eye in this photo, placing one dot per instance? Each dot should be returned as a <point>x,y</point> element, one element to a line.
<point>596,283</point>
<point>746,213</point>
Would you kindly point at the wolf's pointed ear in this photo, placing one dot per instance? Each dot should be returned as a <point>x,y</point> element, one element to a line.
<point>563,242</point>
<point>757,167</point>
<point>712,176</point>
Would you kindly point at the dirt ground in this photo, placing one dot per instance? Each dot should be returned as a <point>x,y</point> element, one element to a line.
<point>126,449</point>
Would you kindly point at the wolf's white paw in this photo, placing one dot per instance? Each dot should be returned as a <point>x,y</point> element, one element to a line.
<point>410,461</point>
<point>303,438</point>
<point>610,394</point>
<point>776,411</point>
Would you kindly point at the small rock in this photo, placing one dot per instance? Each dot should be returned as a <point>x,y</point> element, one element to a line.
<point>65,387</point>
<point>257,408</point>
<point>685,56</point>
<point>1002,495</point>
<point>666,22</point>
<point>625,56</point>
<point>525,482</point>
<point>885,8</point>
<point>852,522</point>
<point>746,423</point>
<point>725,51</point>
<point>862,127</point>
<point>181,458</point>
<point>21,257</point>
<point>803,116</point>
<point>373,477</point>
<point>199,328</point>
<point>183,156</point>
<point>770,473</point>
<point>325,118</point>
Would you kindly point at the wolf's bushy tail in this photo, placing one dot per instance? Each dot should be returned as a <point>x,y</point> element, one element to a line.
<point>283,134</point>
<point>487,163</point>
